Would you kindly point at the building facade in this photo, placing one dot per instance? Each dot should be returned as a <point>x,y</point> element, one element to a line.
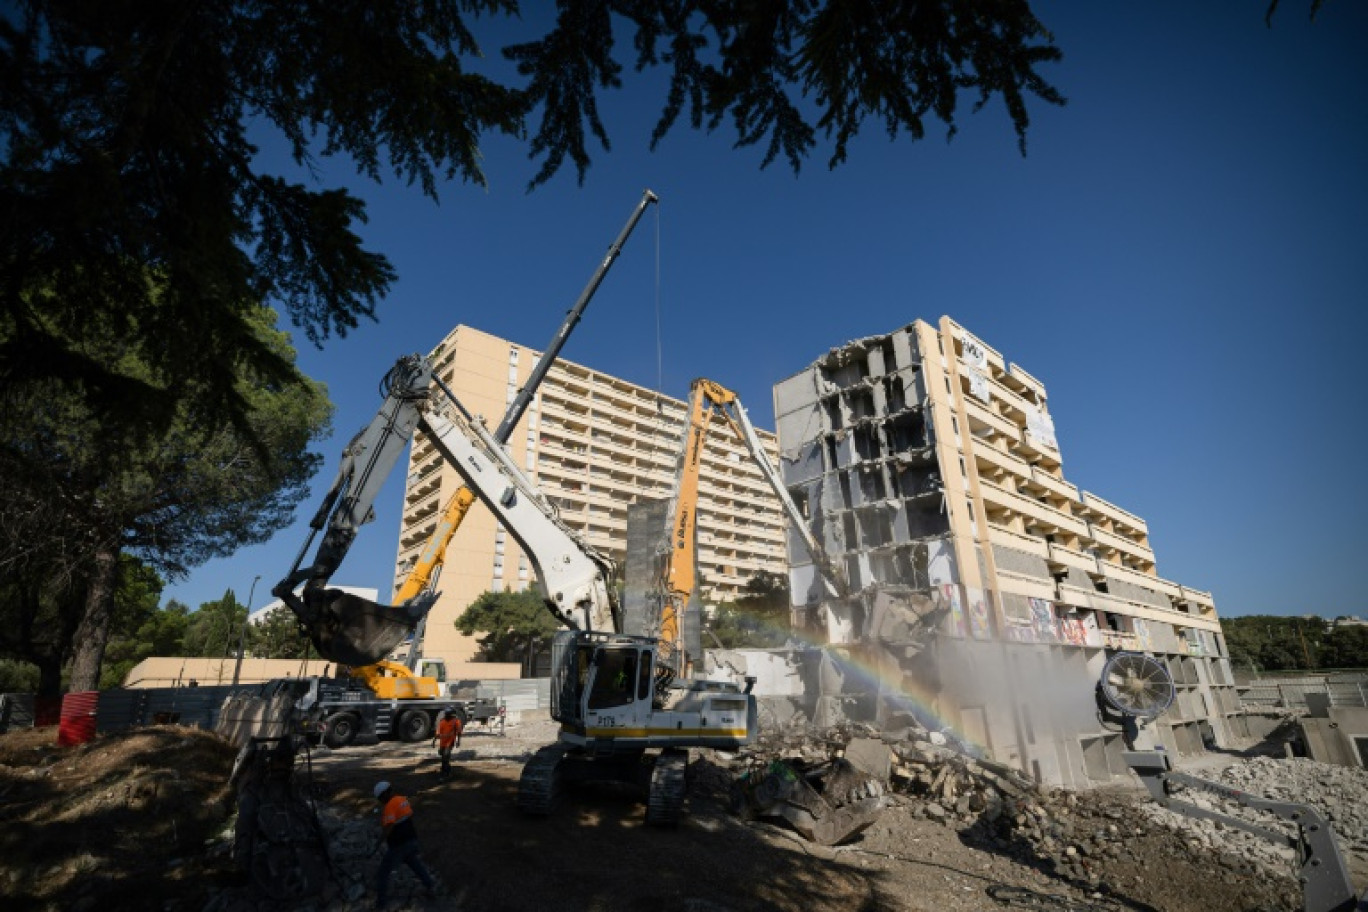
<point>594,444</point>
<point>929,466</point>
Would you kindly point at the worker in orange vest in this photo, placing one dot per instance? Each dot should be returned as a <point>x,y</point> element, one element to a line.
<point>396,820</point>
<point>448,736</point>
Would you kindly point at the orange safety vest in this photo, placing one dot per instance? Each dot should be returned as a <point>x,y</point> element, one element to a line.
<point>396,810</point>
<point>448,730</point>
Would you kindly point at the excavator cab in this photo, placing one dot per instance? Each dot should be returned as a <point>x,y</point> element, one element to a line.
<point>602,684</point>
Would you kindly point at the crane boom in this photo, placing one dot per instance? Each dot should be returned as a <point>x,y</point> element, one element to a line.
<point>354,631</point>
<point>421,580</point>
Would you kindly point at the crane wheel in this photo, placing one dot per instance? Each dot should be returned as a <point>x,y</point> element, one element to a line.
<point>669,782</point>
<point>339,730</point>
<point>414,726</point>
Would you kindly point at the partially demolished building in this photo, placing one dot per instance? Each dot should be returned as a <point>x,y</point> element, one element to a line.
<point>987,591</point>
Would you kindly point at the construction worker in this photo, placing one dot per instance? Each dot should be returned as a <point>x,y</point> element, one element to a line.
<point>448,736</point>
<point>396,820</point>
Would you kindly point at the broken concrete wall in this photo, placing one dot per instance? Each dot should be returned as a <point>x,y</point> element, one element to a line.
<point>641,598</point>
<point>777,672</point>
<point>1341,737</point>
<point>857,459</point>
<point>645,537</point>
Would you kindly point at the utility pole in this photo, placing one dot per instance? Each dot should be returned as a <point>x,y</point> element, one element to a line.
<point>242,636</point>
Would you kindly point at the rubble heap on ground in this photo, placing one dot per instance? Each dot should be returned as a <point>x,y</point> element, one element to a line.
<point>1340,793</point>
<point>1087,838</point>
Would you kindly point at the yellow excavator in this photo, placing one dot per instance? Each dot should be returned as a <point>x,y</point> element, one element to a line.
<point>676,571</point>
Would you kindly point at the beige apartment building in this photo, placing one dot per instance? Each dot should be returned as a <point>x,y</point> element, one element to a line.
<point>594,444</point>
<point>929,464</point>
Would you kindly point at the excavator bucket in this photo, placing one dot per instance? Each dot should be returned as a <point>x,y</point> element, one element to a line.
<point>829,805</point>
<point>354,631</point>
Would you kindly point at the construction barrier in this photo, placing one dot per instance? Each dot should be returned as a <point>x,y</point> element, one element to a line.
<point>16,711</point>
<point>77,723</point>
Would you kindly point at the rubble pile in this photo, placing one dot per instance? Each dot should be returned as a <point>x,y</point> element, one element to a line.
<point>354,849</point>
<point>1340,793</point>
<point>1098,840</point>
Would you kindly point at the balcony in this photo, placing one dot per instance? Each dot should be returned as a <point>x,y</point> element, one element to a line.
<point>1055,485</point>
<point>1115,639</point>
<point>990,454</point>
<point>1015,372</point>
<point>1138,578</point>
<point>1197,597</point>
<point>982,415</point>
<point>1026,506</point>
<point>1118,542</point>
<point>1114,513</point>
<point>1068,557</point>
<point>1029,586</point>
<point>1010,539</point>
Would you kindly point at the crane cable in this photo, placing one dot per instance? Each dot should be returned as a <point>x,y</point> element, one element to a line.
<point>660,361</point>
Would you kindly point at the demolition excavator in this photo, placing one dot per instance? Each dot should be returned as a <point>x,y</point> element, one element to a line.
<point>616,723</point>
<point>676,574</point>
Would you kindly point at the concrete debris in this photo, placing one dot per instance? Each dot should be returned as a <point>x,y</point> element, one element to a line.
<point>1340,793</point>
<point>1080,837</point>
<point>353,849</point>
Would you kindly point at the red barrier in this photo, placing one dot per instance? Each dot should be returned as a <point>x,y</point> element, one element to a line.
<point>78,718</point>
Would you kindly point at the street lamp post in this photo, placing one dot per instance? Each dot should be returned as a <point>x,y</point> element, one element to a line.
<point>242,635</point>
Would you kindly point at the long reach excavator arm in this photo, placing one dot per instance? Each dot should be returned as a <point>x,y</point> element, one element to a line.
<point>677,576</point>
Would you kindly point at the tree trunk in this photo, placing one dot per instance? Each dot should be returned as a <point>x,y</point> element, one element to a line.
<point>49,675</point>
<point>92,635</point>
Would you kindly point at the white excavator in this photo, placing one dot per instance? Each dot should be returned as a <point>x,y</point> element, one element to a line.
<point>616,723</point>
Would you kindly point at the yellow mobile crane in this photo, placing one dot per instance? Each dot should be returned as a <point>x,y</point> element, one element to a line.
<point>676,575</point>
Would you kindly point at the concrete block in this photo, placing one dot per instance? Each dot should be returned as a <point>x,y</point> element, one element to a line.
<point>797,393</point>
<point>779,712</point>
<point>870,756</point>
<point>645,533</point>
<point>905,349</point>
<point>801,462</point>
<point>840,626</point>
<point>940,562</point>
<point>805,585</point>
<point>800,426</point>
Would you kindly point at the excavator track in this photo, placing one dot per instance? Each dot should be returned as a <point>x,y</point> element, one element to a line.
<point>669,781</point>
<point>539,787</point>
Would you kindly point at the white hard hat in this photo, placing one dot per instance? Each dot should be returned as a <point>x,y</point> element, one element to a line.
<point>381,787</point>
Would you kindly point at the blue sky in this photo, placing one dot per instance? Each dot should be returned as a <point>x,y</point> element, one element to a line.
<point>1181,258</point>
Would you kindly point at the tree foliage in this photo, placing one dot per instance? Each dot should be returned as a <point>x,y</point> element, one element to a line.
<point>137,626</point>
<point>90,491</point>
<point>126,131</point>
<point>1275,643</point>
<point>213,629</point>
<point>277,636</point>
<point>517,626</point>
<point>757,619</point>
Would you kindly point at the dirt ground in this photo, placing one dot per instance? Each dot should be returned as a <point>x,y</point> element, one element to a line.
<point>124,823</point>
